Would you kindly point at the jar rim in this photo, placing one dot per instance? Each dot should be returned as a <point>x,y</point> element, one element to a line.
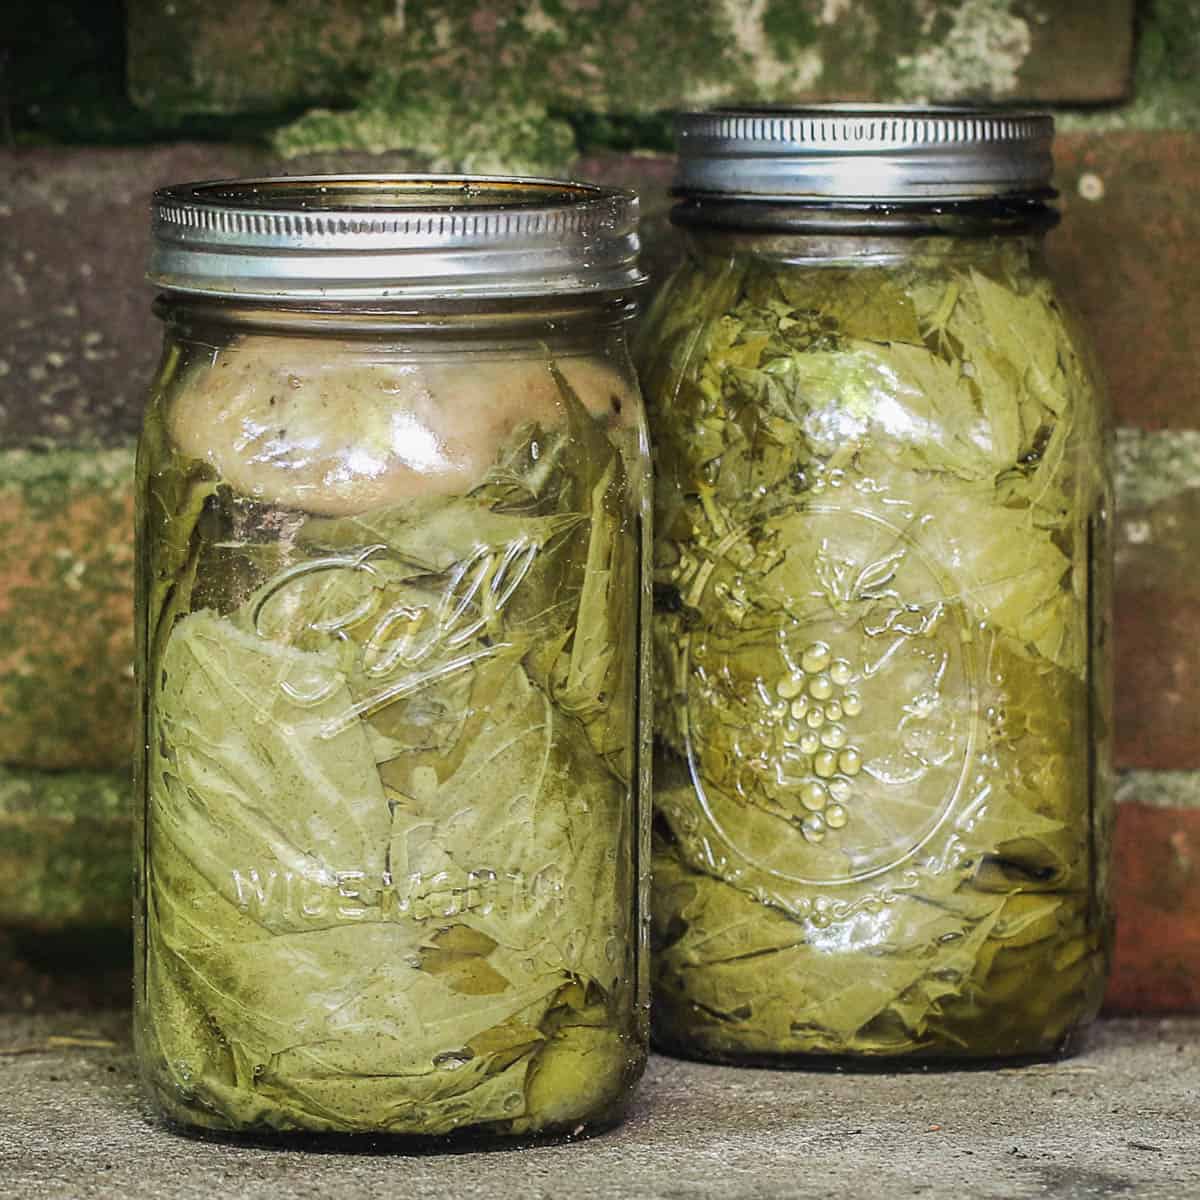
<point>864,153</point>
<point>387,237</point>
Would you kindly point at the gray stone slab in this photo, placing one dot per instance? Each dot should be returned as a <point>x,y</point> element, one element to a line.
<point>1119,1120</point>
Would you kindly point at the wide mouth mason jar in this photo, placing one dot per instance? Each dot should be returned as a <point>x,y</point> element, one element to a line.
<point>881,631</point>
<point>392,595</point>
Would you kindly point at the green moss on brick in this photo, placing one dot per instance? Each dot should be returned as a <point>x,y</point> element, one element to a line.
<point>973,49</point>
<point>1154,466</point>
<point>66,587</point>
<point>444,130</point>
<point>1159,789</point>
<point>44,479</point>
<point>789,27</point>
<point>468,87</point>
<point>65,848</point>
<point>482,85</point>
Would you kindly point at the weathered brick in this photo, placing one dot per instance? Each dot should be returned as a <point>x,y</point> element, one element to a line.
<point>1157,640</point>
<point>628,56</point>
<point>65,848</point>
<point>1128,253</point>
<point>1166,68</point>
<point>1157,880</point>
<point>1157,630</point>
<point>66,613</point>
<point>77,339</point>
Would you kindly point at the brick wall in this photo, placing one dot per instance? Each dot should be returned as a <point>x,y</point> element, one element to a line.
<point>560,87</point>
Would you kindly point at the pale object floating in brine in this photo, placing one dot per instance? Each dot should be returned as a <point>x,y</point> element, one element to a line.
<point>336,430</point>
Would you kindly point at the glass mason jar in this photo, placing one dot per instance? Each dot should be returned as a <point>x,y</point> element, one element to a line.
<point>392,591</point>
<point>881,631</point>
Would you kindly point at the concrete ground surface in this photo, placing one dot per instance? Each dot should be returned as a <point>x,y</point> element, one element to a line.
<point>1120,1120</point>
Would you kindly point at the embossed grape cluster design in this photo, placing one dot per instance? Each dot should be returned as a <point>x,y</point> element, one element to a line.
<point>820,761</point>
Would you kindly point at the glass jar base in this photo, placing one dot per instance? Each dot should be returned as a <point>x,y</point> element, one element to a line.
<point>1070,1044</point>
<point>474,1139</point>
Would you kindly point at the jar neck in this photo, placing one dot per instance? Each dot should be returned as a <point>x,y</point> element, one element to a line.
<point>1024,215</point>
<point>865,235</point>
<point>508,320</point>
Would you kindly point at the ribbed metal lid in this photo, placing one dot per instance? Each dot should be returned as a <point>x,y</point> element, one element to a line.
<point>393,237</point>
<point>863,153</point>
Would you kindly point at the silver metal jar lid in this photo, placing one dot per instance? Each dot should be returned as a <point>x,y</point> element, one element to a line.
<point>393,238</point>
<point>863,153</point>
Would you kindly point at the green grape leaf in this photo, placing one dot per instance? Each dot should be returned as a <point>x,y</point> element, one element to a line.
<point>891,469</point>
<point>391,880</point>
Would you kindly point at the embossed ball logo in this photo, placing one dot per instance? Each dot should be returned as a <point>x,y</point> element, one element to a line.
<point>830,745</point>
